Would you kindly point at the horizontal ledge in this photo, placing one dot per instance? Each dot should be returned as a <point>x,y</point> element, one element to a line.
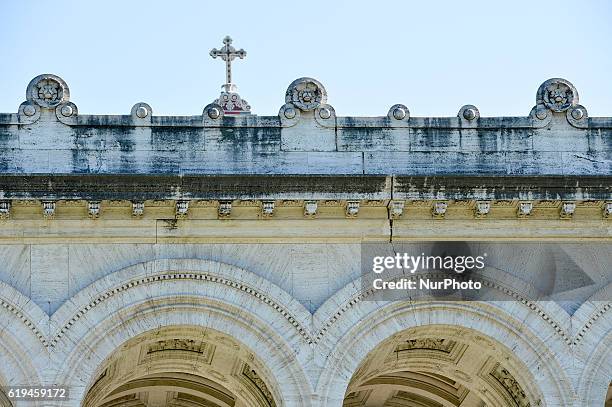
<point>374,187</point>
<point>302,231</point>
<point>255,121</point>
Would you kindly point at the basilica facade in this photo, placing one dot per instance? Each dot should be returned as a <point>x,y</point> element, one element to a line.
<point>216,259</point>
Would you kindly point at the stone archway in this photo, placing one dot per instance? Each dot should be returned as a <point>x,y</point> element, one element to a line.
<point>22,342</point>
<point>181,366</point>
<point>595,383</point>
<point>440,366</point>
<point>531,353</point>
<point>203,295</point>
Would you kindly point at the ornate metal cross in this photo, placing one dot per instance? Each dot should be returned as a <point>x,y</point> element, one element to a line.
<point>228,53</point>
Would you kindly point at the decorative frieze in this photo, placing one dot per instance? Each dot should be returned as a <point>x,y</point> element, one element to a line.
<point>178,348</point>
<point>185,345</point>
<point>435,344</point>
<point>289,203</point>
<point>310,208</point>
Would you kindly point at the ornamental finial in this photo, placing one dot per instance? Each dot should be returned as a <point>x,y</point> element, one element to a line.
<point>229,100</point>
<point>228,53</point>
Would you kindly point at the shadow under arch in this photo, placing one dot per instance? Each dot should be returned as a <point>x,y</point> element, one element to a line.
<point>183,364</point>
<point>439,365</point>
<point>528,357</point>
<point>177,292</point>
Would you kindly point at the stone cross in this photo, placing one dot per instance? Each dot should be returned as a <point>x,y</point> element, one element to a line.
<point>228,53</point>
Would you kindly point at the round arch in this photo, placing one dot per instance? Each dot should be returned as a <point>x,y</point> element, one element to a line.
<point>197,293</point>
<point>596,345</point>
<point>22,342</point>
<point>182,364</point>
<point>530,355</point>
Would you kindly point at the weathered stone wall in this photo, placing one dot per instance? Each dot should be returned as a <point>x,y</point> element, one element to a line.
<point>50,136</point>
<point>85,268</point>
<point>68,307</point>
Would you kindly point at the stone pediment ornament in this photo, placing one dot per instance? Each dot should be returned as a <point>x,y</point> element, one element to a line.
<point>47,92</point>
<point>306,94</point>
<point>229,101</point>
<point>555,96</point>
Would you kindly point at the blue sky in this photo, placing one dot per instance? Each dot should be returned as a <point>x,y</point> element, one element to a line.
<point>433,56</point>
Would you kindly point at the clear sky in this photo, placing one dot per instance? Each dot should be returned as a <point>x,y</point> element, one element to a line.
<point>433,56</point>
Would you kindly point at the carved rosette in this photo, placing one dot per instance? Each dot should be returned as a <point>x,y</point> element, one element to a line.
<point>47,91</point>
<point>306,97</point>
<point>558,95</point>
<point>306,94</point>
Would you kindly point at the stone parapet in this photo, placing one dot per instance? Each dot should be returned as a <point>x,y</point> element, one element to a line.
<point>49,136</point>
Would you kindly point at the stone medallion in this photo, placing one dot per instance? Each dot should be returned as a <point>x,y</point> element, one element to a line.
<point>47,91</point>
